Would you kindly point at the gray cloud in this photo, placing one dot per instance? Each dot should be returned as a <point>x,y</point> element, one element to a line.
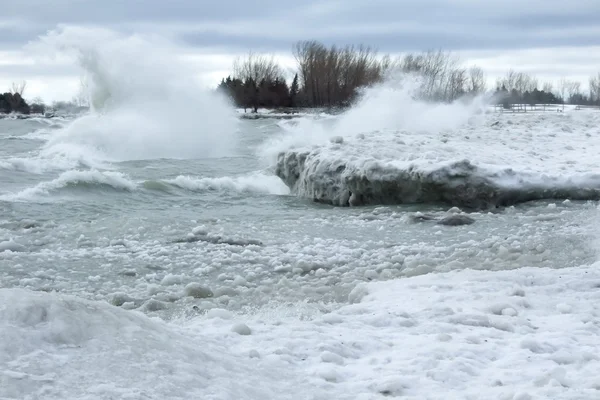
<point>484,30</point>
<point>391,25</point>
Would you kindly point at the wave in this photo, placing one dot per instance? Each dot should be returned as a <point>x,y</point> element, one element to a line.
<point>255,183</point>
<point>42,134</point>
<point>40,165</point>
<point>145,102</point>
<point>75,179</point>
<point>259,183</point>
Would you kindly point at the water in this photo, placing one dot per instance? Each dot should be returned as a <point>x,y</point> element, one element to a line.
<point>125,233</point>
<point>163,203</point>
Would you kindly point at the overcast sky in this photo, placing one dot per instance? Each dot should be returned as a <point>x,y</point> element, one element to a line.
<point>549,38</point>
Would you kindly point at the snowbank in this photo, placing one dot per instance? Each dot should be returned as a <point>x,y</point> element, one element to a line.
<point>524,334</point>
<point>62,347</point>
<point>496,160</point>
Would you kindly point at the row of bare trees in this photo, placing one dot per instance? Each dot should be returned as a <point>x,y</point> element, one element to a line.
<point>595,89</point>
<point>331,76</point>
<point>522,88</point>
<point>443,77</point>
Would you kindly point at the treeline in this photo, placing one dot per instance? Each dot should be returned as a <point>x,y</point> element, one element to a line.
<point>522,88</point>
<point>13,101</point>
<point>333,76</point>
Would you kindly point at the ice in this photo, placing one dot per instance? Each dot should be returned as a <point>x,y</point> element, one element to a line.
<point>11,245</point>
<point>241,329</point>
<point>61,347</point>
<point>450,335</point>
<point>462,334</point>
<point>475,164</point>
<point>197,291</point>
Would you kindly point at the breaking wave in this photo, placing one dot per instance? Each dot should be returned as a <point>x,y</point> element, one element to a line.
<point>75,179</point>
<point>258,183</point>
<point>145,102</point>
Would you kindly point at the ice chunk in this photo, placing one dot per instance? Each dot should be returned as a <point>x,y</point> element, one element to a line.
<point>241,329</point>
<point>198,291</point>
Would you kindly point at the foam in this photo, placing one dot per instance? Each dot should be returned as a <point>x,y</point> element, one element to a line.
<point>255,183</point>
<point>74,179</point>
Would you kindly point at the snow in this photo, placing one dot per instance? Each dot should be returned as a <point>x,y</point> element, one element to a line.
<point>62,347</point>
<point>486,160</point>
<point>527,333</point>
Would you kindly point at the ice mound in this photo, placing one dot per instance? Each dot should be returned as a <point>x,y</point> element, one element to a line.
<point>499,160</point>
<point>62,347</point>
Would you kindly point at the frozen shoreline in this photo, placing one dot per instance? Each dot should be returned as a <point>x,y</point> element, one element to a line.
<point>451,335</point>
<point>499,161</point>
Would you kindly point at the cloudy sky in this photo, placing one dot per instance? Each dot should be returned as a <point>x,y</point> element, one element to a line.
<point>549,38</point>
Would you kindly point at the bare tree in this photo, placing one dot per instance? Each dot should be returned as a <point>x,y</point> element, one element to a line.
<point>563,85</point>
<point>476,82</point>
<point>18,88</point>
<point>330,76</point>
<point>440,73</point>
<point>254,71</point>
<point>573,88</point>
<point>257,67</point>
<point>15,99</point>
<point>595,89</point>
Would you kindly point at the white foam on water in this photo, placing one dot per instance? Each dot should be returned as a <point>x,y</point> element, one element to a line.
<point>145,102</point>
<point>72,178</point>
<point>255,183</point>
<point>41,164</point>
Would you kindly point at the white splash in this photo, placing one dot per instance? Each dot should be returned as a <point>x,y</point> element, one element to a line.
<point>145,102</point>
<point>255,183</point>
<point>389,106</point>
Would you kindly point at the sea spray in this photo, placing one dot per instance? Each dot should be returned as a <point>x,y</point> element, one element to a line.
<point>393,105</point>
<point>145,103</point>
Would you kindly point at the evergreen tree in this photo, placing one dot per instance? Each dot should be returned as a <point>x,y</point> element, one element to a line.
<point>294,91</point>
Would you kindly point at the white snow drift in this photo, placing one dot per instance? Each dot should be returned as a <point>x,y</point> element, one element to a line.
<point>523,334</point>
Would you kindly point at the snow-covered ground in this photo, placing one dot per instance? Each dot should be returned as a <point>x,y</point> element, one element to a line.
<point>525,334</point>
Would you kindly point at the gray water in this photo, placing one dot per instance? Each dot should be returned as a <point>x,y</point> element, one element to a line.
<point>121,232</point>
